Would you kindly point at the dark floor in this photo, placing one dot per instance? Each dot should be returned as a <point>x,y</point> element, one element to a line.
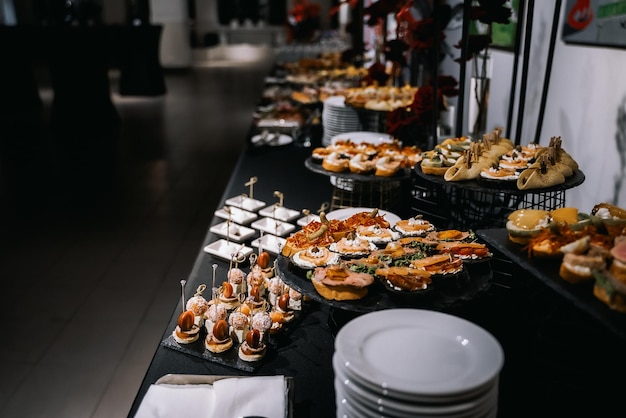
<point>98,227</point>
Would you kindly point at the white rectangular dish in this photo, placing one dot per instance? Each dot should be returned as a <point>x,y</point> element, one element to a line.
<point>245,202</point>
<point>238,215</point>
<point>305,220</point>
<point>279,212</point>
<point>234,232</point>
<point>273,226</point>
<point>226,250</point>
<point>269,243</point>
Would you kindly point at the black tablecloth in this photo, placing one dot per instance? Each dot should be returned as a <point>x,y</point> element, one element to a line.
<point>558,360</point>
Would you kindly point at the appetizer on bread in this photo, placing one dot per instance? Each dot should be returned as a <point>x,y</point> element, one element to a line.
<point>338,282</point>
<point>187,331</point>
<point>610,284</point>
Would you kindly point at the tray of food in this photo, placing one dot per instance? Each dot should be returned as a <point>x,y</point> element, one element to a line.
<point>240,325</point>
<point>363,263</point>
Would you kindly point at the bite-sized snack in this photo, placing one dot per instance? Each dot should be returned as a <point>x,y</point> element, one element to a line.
<point>612,217</point>
<point>313,234</point>
<point>415,226</point>
<point>376,234</point>
<point>448,235</point>
<point>352,246</point>
<point>523,224</point>
<point>320,153</point>
<point>437,161</point>
<point>262,321</point>
<point>215,313</point>
<point>504,175</point>
<point>335,162</point>
<point>512,166</point>
<point>541,174</point>
<point>253,348</point>
<point>519,158</point>
<point>284,308</point>
<point>236,277</point>
<point>386,166</point>
<point>337,282</point>
<point>470,165</point>
<point>227,296</point>
<point>405,278</point>
<point>255,301</point>
<point>556,146</point>
<point>553,163</point>
<point>412,156</point>
<point>361,164</point>
<point>256,278</point>
<point>276,287</point>
<point>314,257</point>
<point>610,285</point>
<point>218,340</point>
<point>366,219</point>
<point>295,300</point>
<point>239,326</point>
<point>465,250</point>
<point>187,331</point>
<point>439,264</point>
<point>336,228</point>
<point>198,305</point>
<point>578,268</point>
<point>264,262</point>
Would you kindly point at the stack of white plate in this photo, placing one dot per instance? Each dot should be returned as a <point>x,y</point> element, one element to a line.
<point>338,118</point>
<point>416,363</point>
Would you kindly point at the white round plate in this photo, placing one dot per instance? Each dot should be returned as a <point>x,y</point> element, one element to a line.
<point>419,352</point>
<point>338,101</point>
<point>354,392</point>
<point>375,138</point>
<point>272,141</point>
<point>342,214</point>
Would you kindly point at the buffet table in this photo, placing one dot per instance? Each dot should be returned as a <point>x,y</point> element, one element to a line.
<point>552,335</point>
<point>306,351</point>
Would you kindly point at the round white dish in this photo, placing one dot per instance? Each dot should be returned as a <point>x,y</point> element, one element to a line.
<point>356,393</point>
<point>419,352</point>
<point>342,214</point>
<point>360,137</point>
<point>272,140</point>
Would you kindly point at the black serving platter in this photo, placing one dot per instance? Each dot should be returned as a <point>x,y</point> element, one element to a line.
<point>478,278</point>
<point>230,357</point>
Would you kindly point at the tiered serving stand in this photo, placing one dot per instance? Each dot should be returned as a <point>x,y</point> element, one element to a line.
<point>358,190</point>
<point>476,204</point>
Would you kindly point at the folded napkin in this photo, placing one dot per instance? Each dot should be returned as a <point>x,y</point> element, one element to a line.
<point>231,397</point>
<point>169,401</point>
<point>258,396</point>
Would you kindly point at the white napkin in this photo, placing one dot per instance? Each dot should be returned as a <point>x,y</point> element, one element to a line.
<point>167,401</point>
<point>260,395</point>
<point>232,397</point>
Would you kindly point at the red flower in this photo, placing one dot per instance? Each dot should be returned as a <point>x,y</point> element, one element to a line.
<point>376,74</point>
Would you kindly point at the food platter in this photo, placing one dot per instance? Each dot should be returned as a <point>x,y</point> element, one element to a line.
<point>345,213</point>
<point>477,279</point>
<point>359,137</point>
<point>479,185</point>
<point>316,167</point>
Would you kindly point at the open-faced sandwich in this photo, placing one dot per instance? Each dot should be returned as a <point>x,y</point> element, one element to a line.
<point>610,284</point>
<point>338,282</point>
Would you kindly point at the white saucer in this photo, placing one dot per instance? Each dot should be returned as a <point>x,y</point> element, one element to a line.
<point>433,354</point>
<point>343,214</point>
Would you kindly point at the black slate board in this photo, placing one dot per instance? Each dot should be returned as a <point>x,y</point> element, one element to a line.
<point>476,279</point>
